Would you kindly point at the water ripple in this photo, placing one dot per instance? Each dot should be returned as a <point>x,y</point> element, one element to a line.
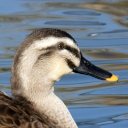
<point>73,23</point>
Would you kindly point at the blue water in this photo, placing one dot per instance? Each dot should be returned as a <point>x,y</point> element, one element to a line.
<point>93,103</point>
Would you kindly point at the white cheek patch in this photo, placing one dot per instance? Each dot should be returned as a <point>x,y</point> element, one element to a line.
<point>60,70</point>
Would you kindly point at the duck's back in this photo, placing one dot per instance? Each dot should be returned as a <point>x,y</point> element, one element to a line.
<point>13,115</point>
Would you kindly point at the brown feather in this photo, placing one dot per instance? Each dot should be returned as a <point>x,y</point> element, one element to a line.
<point>13,114</point>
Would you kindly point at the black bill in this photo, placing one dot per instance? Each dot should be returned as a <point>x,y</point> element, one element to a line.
<point>88,68</point>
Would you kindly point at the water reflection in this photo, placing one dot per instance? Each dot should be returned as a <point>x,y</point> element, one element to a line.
<point>75,23</point>
<point>119,9</point>
<point>100,29</point>
<point>106,54</point>
<point>7,19</point>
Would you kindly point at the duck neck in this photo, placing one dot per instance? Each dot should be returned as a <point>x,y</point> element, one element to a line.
<point>48,104</point>
<point>52,107</point>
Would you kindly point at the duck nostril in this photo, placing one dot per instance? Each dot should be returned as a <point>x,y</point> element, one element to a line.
<point>88,63</point>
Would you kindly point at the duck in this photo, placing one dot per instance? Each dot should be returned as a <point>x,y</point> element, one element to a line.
<point>43,58</point>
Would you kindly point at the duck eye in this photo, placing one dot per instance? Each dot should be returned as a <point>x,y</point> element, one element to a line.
<point>61,46</point>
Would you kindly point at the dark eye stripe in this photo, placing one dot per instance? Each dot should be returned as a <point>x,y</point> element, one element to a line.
<point>73,51</point>
<point>70,64</point>
<point>49,53</point>
<point>49,48</point>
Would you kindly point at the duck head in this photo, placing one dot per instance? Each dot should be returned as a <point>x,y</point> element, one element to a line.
<point>48,54</point>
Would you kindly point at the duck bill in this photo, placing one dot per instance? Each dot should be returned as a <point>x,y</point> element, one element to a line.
<point>88,68</point>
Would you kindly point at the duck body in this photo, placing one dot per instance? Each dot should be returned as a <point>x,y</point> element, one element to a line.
<point>42,58</point>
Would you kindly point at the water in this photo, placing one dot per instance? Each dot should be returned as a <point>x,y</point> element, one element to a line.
<point>102,36</point>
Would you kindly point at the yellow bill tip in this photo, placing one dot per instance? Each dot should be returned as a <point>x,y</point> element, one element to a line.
<point>112,78</point>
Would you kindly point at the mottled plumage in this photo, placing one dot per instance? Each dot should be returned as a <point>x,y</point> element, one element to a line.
<point>14,114</point>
